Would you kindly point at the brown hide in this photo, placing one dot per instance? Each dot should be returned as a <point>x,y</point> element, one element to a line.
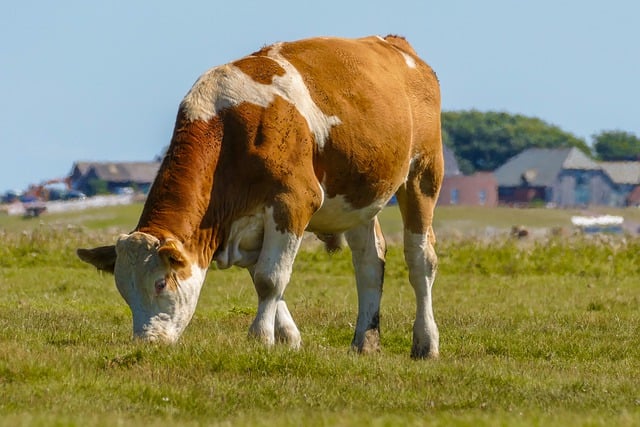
<point>249,156</point>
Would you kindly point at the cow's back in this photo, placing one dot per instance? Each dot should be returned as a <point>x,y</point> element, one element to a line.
<point>351,115</point>
<point>388,103</point>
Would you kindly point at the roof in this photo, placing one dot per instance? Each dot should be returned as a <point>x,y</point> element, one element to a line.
<point>540,167</point>
<point>622,172</point>
<point>139,172</point>
<point>82,167</point>
<point>576,159</point>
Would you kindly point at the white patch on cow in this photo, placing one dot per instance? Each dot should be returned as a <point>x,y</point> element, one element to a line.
<point>227,86</point>
<point>295,91</point>
<point>421,259</point>
<point>271,275</point>
<point>158,315</point>
<point>408,59</point>
<point>337,215</point>
<point>279,248</point>
<point>177,308</point>
<point>322,193</point>
<point>286,330</point>
<point>243,245</point>
<point>223,87</point>
<point>368,252</point>
<point>411,63</point>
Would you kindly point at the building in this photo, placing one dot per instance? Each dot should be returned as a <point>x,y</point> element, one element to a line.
<point>479,189</point>
<point>625,177</point>
<point>113,177</point>
<point>563,177</point>
<point>633,199</point>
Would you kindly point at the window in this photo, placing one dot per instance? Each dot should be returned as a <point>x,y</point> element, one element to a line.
<point>582,189</point>
<point>454,196</point>
<point>482,197</point>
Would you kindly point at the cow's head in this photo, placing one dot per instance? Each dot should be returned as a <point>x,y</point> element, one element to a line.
<point>158,279</point>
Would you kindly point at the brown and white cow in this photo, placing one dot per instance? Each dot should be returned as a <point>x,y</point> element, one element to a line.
<point>315,135</point>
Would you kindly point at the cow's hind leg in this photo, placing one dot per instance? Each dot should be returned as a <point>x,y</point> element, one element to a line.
<point>417,201</point>
<point>368,252</point>
<point>422,262</point>
<point>270,275</point>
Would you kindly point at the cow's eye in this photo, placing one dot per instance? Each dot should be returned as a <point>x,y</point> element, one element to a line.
<point>160,285</point>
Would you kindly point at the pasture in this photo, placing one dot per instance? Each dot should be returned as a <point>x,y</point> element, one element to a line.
<point>542,331</point>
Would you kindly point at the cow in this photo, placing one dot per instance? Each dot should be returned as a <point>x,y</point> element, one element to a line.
<point>315,134</point>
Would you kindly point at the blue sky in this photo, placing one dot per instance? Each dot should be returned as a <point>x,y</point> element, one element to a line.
<point>100,81</point>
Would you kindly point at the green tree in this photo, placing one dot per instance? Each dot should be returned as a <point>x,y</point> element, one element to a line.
<point>97,187</point>
<point>483,141</point>
<point>612,145</point>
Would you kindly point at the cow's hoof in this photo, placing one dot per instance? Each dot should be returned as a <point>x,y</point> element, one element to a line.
<point>289,336</point>
<point>424,352</point>
<point>369,343</point>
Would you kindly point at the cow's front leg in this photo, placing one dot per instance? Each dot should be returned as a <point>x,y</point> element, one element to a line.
<point>270,275</point>
<point>368,251</point>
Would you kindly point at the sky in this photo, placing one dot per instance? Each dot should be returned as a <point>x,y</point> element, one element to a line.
<point>101,80</point>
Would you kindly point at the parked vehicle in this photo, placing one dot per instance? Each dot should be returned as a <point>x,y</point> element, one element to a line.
<point>11,196</point>
<point>75,195</point>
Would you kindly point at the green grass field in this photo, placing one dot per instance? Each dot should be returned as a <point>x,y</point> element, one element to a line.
<point>533,332</point>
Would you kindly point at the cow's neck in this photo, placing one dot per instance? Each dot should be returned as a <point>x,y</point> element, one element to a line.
<point>179,202</point>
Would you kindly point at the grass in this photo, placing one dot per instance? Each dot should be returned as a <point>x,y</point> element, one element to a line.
<point>541,332</point>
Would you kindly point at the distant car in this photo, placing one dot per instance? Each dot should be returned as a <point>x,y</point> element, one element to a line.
<point>56,194</point>
<point>75,195</point>
<point>11,196</point>
<point>123,191</point>
<point>28,198</point>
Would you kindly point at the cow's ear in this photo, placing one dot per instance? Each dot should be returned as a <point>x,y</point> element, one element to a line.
<point>172,253</point>
<point>103,257</point>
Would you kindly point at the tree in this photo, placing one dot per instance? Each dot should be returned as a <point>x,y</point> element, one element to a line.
<point>615,145</point>
<point>484,141</point>
<point>97,187</point>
